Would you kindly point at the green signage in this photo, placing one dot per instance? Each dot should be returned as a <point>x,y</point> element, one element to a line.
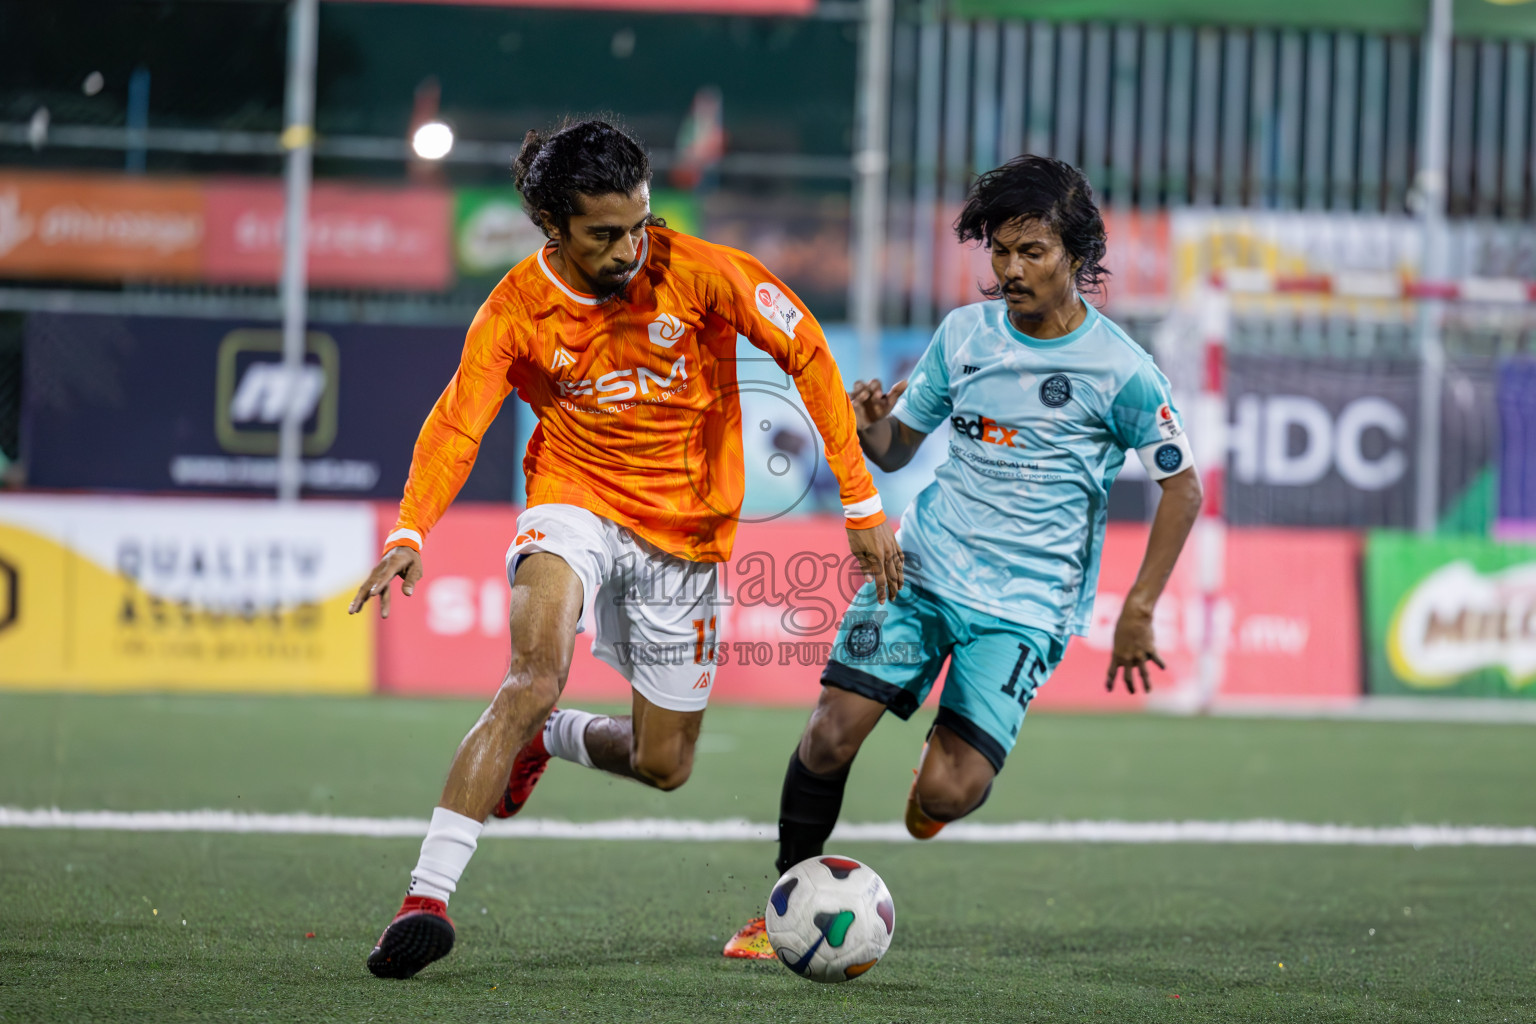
<point>1454,616</point>
<point>679,209</point>
<point>492,234</point>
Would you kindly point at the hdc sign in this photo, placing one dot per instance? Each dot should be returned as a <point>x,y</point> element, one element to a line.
<point>1324,442</point>
<point>1294,440</point>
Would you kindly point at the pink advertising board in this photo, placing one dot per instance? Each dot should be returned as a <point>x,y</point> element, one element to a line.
<point>1283,633</point>
<point>359,236</point>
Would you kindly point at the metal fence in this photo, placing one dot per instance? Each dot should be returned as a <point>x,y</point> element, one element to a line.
<point>1162,117</point>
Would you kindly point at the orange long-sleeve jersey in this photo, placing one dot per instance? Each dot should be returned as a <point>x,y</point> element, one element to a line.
<point>636,396</point>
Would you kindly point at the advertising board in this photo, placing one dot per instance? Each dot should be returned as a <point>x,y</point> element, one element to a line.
<point>181,404</point>
<point>94,226</point>
<point>97,226</point>
<point>183,594</point>
<point>1451,616</point>
<point>359,235</point>
<point>1283,634</point>
<point>1333,441</point>
<point>1517,440</point>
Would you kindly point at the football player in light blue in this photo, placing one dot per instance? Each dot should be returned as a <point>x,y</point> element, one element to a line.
<point>1043,395</point>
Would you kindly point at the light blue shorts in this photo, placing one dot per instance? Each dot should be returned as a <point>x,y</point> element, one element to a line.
<point>893,653</point>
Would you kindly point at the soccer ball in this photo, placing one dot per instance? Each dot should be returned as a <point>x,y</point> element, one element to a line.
<point>830,918</point>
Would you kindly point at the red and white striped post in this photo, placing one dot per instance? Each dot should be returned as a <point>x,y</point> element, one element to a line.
<point>1211,528</point>
<point>1374,285</point>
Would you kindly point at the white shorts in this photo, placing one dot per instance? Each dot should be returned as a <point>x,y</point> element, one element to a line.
<point>652,614</point>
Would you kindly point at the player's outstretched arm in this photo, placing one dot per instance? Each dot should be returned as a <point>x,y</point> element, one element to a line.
<point>1134,643</point>
<point>399,561</point>
<point>887,441</point>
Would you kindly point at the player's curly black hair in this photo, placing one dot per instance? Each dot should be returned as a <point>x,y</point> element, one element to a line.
<point>1050,191</point>
<point>577,158</point>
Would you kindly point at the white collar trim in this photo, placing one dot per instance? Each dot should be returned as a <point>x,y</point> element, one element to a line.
<point>593,300</point>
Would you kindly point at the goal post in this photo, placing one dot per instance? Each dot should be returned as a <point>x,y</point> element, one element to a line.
<point>1376,315</point>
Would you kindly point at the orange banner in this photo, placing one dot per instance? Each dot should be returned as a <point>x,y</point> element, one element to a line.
<point>99,226</point>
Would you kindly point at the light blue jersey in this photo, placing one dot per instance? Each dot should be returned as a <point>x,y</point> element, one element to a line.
<point>1013,523</point>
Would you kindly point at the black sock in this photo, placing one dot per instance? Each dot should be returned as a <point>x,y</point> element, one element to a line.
<point>808,808</point>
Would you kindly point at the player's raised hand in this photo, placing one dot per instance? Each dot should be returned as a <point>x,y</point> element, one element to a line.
<point>871,402</point>
<point>1134,650</point>
<point>879,557</point>
<point>401,561</point>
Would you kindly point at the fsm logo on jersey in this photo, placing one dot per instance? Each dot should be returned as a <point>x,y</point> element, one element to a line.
<point>630,384</point>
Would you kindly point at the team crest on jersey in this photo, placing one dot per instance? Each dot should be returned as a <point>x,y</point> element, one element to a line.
<point>777,308</point>
<point>1056,390</point>
<point>666,330</point>
<point>1168,458</point>
<point>561,360</point>
<point>864,639</point>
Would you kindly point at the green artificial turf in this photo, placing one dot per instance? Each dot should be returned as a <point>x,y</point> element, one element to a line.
<point>91,922</point>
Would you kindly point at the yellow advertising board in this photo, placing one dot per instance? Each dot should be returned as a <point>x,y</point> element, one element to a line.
<point>183,594</point>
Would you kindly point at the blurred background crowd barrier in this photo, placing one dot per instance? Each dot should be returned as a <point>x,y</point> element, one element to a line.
<point>1353,342</point>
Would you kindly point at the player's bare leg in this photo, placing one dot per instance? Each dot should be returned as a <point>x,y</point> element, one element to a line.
<point>953,779</point>
<point>652,745</point>
<point>812,796</point>
<point>545,608</point>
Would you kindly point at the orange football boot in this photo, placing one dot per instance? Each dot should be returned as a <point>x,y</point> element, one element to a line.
<point>919,824</point>
<point>751,943</point>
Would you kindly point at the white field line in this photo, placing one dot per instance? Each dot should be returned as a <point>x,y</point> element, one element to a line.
<point>1290,833</point>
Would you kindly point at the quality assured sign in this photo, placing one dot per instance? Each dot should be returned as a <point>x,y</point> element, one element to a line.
<point>1451,616</point>
<point>183,594</point>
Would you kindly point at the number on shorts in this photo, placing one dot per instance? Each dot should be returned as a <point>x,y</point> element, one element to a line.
<point>703,642</point>
<point>1011,688</point>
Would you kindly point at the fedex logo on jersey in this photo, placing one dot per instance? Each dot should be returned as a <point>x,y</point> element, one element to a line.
<point>984,429</point>
<point>628,384</point>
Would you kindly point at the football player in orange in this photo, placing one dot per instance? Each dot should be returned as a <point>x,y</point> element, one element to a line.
<point>621,336</point>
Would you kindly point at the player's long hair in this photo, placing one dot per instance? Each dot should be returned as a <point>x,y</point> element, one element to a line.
<point>577,158</point>
<point>1050,191</point>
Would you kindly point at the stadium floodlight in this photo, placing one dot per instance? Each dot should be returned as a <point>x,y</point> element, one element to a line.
<point>432,140</point>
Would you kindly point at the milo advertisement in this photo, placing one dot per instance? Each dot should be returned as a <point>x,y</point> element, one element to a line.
<point>1450,615</point>
<point>492,233</point>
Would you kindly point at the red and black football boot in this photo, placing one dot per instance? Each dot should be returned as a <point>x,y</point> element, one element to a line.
<point>421,933</point>
<point>527,768</point>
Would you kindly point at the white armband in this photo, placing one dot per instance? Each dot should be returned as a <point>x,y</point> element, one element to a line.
<point>1167,457</point>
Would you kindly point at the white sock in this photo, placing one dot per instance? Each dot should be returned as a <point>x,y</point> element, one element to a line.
<point>451,840</point>
<point>565,735</point>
